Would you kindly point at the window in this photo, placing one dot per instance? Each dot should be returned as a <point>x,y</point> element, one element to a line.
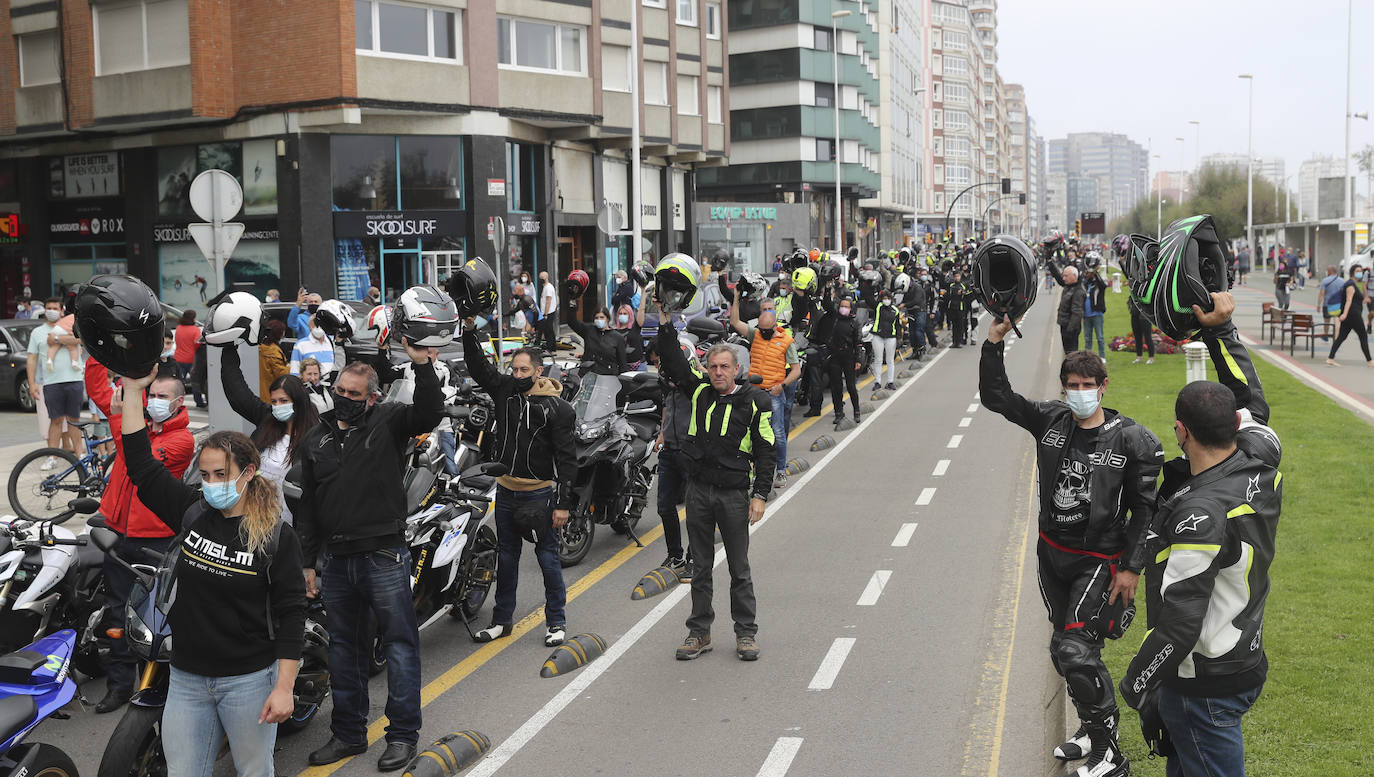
<point>956,66</point>
<point>38,58</point>
<point>956,120</point>
<point>822,42</point>
<point>937,91</point>
<point>557,48</point>
<point>825,150</point>
<point>938,146</point>
<point>523,161</point>
<point>956,41</point>
<point>713,21</point>
<point>656,83</point>
<point>655,3</point>
<point>956,93</point>
<point>615,68</point>
<point>713,104</point>
<point>687,12</point>
<point>688,96</point>
<point>956,147</point>
<point>825,94</point>
<point>403,30</point>
<point>123,31</point>
<point>937,117</point>
<point>431,171</point>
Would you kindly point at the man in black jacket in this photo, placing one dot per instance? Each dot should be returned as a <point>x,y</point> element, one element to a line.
<point>1070,315</point>
<point>534,429</point>
<point>352,522</point>
<point>730,461</point>
<point>846,354</point>
<point>960,300</point>
<point>818,348</point>
<point>1202,663</point>
<point>1095,465</point>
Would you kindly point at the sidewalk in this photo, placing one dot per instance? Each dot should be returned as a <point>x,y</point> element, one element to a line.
<point>1351,385</point>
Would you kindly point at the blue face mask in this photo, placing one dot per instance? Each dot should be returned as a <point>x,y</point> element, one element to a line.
<point>1083,402</point>
<point>283,412</point>
<point>601,323</point>
<point>220,496</point>
<point>1359,276</point>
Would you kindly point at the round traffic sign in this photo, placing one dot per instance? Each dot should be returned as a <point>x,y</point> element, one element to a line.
<point>216,195</point>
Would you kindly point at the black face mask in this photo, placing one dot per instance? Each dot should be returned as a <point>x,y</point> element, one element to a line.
<point>767,334</point>
<point>347,409</point>
<point>523,385</point>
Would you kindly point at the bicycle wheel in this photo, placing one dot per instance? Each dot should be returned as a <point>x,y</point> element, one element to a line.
<point>38,494</point>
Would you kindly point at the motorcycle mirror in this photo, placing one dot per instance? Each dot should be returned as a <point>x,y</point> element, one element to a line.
<point>752,380</point>
<point>494,469</point>
<point>105,539</point>
<point>84,506</point>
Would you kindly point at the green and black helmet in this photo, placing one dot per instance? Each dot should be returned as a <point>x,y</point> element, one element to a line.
<point>1168,278</point>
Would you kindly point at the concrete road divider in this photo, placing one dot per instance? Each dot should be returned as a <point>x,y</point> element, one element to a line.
<point>822,443</point>
<point>845,424</point>
<point>654,583</point>
<point>879,394</point>
<point>449,755</point>
<point>576,653</point>
<point>797,466</point>
<point>903,374</point>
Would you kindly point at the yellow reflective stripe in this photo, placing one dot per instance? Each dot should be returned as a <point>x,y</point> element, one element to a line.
<point>1244,509</point>
<point>692,425</point>
<point>1163,554</point>
<point>1278,476</point>
<point>766,426</point>
<point>724,420</point>
<point>1232,366</point>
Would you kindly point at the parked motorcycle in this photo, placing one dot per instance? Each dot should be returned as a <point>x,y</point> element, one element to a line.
<point>51,580</point>
<point>35,683</point>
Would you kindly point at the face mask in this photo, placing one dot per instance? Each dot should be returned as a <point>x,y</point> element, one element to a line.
<point>523,385</point>
<point>317,333</point>
<point>601,323</point>
<point>844,311</point>
<point>220,496</point>
<point>160,409</point>
<point>283,412</point>
<point>347,409</point>
<point>52,315</point>
<point>167,354</point>
<point>1359,276</point>
<point>886,300</point>
<point>624,319</point>
<point>766,334</point>
<point>1083,402</point>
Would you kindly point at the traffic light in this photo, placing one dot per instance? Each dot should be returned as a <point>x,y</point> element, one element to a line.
<point>1078,226</point>
<point>1021,198</point>
<point>1006,186</point>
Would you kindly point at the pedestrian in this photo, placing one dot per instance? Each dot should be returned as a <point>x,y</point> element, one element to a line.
<point>1244,264</point>
<point>548,313</point>
<point>1202,663</point>
<point>536,444</point>
<point>351,518</point>
<point>59,383</point>
<point>298,320</point>
<point>239,610</point>
<point>627,323</point>
<point>773,357</point>
<point>1070,315</point>
<point>730,478</point>
<point>603,347</point>
<point>959,299</point>
<point>139,527</point>
<point>166,365</point>
<point>1351,316</point>
<point>1331,294</point>
<point>777,263</point>
<point>1283,281</point>
<point>887,320</point>
<point>272,296</point>
<point>187,336</point>
<point>846,356</point>
<point>1095,465</point>
<point>1303,269</point>
<point>317,346</point>
<point>374,296</point>
<point>311,378</point>
<point>1142,331</point>
<point>271,361</point>
<point>1094,311</point>
<point>624,290</point>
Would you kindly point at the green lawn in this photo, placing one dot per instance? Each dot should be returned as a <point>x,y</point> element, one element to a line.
<point>1319,633</point>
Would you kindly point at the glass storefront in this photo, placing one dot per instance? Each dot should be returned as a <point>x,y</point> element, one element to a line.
<point>77,262</point>
<point>745,242</point>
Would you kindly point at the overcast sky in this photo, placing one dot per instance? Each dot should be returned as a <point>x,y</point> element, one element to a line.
<point>1145,69</point>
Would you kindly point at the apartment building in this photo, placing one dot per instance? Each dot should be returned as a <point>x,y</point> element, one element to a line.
<point>378,142</point>
<point>1106,172</point>
<point>960,147</point>
<point>887,217</point>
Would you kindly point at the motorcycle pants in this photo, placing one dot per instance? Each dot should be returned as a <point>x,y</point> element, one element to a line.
<point>1073,586</point>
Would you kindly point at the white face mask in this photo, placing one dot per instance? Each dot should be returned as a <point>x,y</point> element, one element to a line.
<point>52,315</point>
<point>317,333</point>
<point>1083,402</point>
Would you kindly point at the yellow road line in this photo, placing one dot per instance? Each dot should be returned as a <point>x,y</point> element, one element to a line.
<point>1011,642</point>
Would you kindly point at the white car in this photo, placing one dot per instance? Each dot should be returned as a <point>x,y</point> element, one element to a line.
<point>1364,258</point>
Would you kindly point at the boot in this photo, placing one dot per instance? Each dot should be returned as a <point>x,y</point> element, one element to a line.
<point>1106,758</point>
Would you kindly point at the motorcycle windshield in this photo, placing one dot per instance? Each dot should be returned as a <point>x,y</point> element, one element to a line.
<point>595,399</point>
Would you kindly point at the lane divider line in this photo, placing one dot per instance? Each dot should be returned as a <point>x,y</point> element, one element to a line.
<point>941,467</point>
<point>875,587</point>
<point>973,408</point>
<point>955,440</point>
<point>779,759</point>
<point>904,535</point>
<point>964,422</point>
<point>831,664</point>
<point>927,494</point>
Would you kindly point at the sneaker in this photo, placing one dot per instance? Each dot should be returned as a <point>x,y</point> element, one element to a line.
<point>688,569</point>
<point>747,648</point>
<point>1150,360</point>
<point>676,563</point>
<point>891,387</point>
<point>491,633</point>
<point>49,463</point>
<point>1077,747</point>
<point>555,636</point>
<point>811,412</point>
<point>694,646</point>
<point>1136,360</point>
<point>780,479</point>
<point>1103,358</point>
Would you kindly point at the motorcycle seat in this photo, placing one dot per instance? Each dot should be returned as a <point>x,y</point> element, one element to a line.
<point>645,428</point>
<point>17,668</point>
<point>16,712</point>
<point>480,483</point>
<point>88,556</point>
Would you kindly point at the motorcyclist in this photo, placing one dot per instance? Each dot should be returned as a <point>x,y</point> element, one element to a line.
<point>920,299</point>
<point>845,354</point>
<point>773,357</point>
<point>822,322</point>
<point>959,299</point>
<point>601,345</point>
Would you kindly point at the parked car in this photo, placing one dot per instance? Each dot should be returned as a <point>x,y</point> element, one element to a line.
<point>14,349</point>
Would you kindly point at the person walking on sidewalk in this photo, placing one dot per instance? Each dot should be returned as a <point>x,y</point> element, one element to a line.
<point>1330,294</point>
<point>1351,316</point>
<point>1283,281</point>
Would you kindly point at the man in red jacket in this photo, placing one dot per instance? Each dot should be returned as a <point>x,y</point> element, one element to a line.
<point>173,444</point>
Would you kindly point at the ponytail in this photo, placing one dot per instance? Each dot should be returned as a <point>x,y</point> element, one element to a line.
<point>260,515</point>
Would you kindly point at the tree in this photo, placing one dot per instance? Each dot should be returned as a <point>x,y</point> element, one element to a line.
<point>1365,159</point>
<point>1219,191</point>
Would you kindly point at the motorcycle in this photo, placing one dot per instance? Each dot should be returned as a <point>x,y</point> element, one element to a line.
<point>35,683</point>
<point>50,580</point>
<point>618,418</point>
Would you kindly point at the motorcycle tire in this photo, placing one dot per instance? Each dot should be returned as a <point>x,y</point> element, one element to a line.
<point>483,560</point>
<point>135,746</point>
<point>300,718</point>
<point>575,540</point>
<point>49,761</point>
<point>378,663</point>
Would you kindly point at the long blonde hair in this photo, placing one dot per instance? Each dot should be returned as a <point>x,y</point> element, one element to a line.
<point>261,508</point>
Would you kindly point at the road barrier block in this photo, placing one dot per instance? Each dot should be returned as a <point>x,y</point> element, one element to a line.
<point>797,466</point>
<point>903,374</point>
<point>822,442</point>
<point>448,755</point>
<point>577,652</point>
<point>844,424</point>
<point>654,583</point>
<point>879,394</point>
<point>866,408</point>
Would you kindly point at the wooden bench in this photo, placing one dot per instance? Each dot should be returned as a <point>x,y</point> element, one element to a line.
<point>1285,325</point>
<point>1303,325</point>
<point>1264,317</point>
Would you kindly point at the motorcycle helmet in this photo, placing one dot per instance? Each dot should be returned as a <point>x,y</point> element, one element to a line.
<point>336,319</point>
<point>676,280</point>
<point>379,321</point>
<point>796,260</point>
<point>720,259</point>
<point>1120,245</point>
<point>575,285</point>
<point>1004,279</point>
<point>119,321</point>
<point>1192,263</point>
<point>852,254</point>
<point>804,280</point>
<point>1093,260</point>
<point>426,317</point>
<point>814,255</point>
<point>901,284</point>
<point>642,274</point>
<point>473,288</point>
<point>750,285</point>
<point>829,271</point>
<point>234,316</point>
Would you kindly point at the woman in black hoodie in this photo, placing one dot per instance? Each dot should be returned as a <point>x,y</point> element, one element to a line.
<point>601,345</point>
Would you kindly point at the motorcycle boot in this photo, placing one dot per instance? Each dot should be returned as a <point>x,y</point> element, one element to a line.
<point>1106,758</point>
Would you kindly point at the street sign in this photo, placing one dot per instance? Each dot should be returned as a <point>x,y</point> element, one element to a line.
<point>216,195</point>
<point>204,235</point>
<point>1346,225</point>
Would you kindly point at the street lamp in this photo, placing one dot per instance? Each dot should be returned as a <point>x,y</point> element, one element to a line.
<point>1348,235</point>
<point>1181,168</point>
<point>1197,143</point>
<point>835,17</point>
<point>1250,175</point>
<point>1159,206</point>
<point>920,167</point>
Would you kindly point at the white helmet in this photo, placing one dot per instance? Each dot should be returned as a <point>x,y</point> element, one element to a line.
<point>336,319</point>
<point>902,283</point>
<point>233,317</point>
<point>379,321</point>
<point>426,317</point>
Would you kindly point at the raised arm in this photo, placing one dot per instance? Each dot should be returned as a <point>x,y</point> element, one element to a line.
<point>1235,370</point>
<point>427,409</point>
<point>477,365</point>
<point>994,387</point>
<point>243,400</point>
<point>736,323</point>
<point>672,362</point>
<point>157,488</point>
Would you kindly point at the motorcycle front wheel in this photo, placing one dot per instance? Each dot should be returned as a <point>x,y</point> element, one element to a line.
<point>49,761</point>
<point>481,573</point>
<point>135,747</point>
<point>575,540</point>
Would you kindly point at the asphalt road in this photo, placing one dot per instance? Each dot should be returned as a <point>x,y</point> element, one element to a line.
<point>900,630</point>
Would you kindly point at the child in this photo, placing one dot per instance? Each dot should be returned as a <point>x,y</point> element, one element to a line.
<point>73,351</point>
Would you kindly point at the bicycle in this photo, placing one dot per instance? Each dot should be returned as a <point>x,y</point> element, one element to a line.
<point>39,495</point>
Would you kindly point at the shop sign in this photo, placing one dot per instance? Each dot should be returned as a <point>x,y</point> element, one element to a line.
<point>73,223</point>
<point>523,224</point>
<point>9,228</point>
<point>496,187</point>
<point>177,233</point>
<point>422,224</point>
<point>726,213</point>
<point>91,175</point>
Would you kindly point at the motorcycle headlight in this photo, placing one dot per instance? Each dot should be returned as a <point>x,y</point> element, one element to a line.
<point>136,630</point>
<point>585,432</point>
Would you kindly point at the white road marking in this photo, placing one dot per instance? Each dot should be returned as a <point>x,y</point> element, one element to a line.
<point>973,408</point>
<point>830,665</point>
<point>927,494</point>
<point>874,589</point>
<point>955,440</point>
<point>502,753</point>
<point>976,394</point>
<point>780,757</point>
<point>903,537</point>
<point>941,467</point>
<point>964,422</point>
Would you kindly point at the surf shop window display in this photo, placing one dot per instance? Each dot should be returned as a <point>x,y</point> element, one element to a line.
<point>187,280</point>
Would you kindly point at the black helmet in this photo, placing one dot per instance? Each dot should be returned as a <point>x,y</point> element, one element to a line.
<point>720,259</point>
<point>852,254</point>
<point>642,274</point>
<point>473,288</point>
<point>426,317</point>
<point>1191,263</point>
<point>1003,276</point>
<point>796,261</point>
<point>828,270</point>
<point>119,321</point>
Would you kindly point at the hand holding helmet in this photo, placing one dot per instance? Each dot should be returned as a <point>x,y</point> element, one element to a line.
<point>1004,279</point>
<point>472,288</point>
<point>233,316</point>
<point>425,317</point>
<point>379,323</point>
<point>336,319</point>
<point>677,279</point>
<point>575,285</point>
<point>119,321</point>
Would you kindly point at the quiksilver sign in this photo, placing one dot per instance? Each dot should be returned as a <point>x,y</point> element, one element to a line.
<point>406,224</point>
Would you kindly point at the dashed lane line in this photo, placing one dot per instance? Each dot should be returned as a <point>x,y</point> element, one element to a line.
<point>965,421</point>
<point>831,664</point>
<point>780,757</point>
<point>875,587</point>
<point>954,441</point>
<point>904,535</point>
<point>927,494</point>
<point>973,408</point>
<point>941,467</point>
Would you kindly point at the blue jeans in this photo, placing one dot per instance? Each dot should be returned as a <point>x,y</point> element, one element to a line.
<point>508,547</point>
<point>782,421</point>
<point>449,445</point>
<point>1093,325</point>
<point>1205,731</point>
<point>356,588</point>
<point>672,482</point>
<point>201,711</point>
